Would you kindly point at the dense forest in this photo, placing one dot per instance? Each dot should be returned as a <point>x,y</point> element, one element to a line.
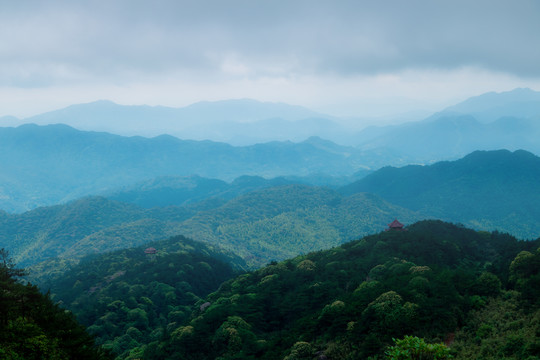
<point>33,327</point>
<point>267,224</point>
<point>131,297</point>
<point>435,281</point>
<point>436,287</point>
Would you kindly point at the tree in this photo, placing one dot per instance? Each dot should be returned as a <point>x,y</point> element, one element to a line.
<point>415,348</point>
<point>32,327</point>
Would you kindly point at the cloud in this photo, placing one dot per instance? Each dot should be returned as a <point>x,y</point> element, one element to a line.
<point>103,38</point>
<point>126,43</point>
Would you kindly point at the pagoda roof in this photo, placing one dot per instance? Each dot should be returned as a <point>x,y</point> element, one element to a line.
<point>395,224</point>
<point>150,250</point>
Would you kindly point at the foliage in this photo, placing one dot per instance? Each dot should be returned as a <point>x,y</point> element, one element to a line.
<point>414,348</point>
<point>32,327</point>
<point>264,225</point>
<point>128,298</point>
<point>501,329</point>
<point>350,301</point>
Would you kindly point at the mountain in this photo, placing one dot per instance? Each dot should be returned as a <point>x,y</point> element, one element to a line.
<point>485,190</point>
<point>129,294</point>
<point>520,103</point>
<point>280,222</point>
<point>48,231</point>
<point>438,281</point>
<point>177,190</point>
<point>260,226</point>
<point>509,120</point>
<point>238,122</point>
<point>45,165</point>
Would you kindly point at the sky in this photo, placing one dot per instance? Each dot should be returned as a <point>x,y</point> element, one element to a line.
<point>346,58</point>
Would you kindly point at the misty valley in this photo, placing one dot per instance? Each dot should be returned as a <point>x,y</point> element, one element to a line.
<point>290,237</point>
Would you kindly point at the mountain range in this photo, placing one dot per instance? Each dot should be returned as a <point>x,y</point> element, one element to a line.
<point>260,226</point>
<point>49,164</point>
<point>238,122</point>
<point>492,121</point>
<point>261,220</point>
<point>46,165</point>
<point>170,248</point>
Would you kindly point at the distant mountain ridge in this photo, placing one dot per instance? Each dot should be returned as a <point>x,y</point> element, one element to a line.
<point>171,190</point>
<point>521,102</point>
<point>45,165</point>
<point>238,122</point>
<point>492,121</point>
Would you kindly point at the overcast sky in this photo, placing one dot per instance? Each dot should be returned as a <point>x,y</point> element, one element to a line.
<point>357,57</point>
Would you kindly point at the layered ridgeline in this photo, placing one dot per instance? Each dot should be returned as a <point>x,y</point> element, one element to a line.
<point>176,190</point>
<point>437,281</point>
<point>264,225</point>
<point>484,190</point>
<point>239,122</point>
<point>130,298</point>
<point>46,165</point>
<point>508,120</point>
<point>33,327</point>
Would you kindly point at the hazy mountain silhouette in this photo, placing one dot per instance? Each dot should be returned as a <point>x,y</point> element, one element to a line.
<point>45,165</point>
<point>240,122</point>
<point>509,120</point>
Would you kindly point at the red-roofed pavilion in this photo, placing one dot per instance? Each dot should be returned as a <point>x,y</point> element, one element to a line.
<point>150,250</point>
<point>395,225</point>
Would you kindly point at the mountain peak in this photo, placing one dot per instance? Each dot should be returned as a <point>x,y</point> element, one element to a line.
<point>506,103</point>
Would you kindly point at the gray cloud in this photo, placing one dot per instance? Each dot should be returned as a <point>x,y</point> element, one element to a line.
<point>46,43</point>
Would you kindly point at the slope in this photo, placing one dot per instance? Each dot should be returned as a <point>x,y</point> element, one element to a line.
<point>283,221</point>
<point>128,298</point>
<point>350,301</point>
<point>486,190</point>
<point>33,327</point>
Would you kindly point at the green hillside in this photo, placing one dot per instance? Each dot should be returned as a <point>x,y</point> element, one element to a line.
<point>32,327</point>
<point>437,282</point>
<point>129,298</point>
<point>176,190</point>
<point>350,301</point>
<point>264,225</point>
<point>280,222</point>
<point>485,190</point>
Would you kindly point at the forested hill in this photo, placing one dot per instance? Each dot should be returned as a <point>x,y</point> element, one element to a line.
<point>486,189</point>
<point>350,301</point>
<point>33,327</point>
<point>49,231</point>
<point>132,297</point>
<point>435,280</point>
<point>263,225</point>
<point>280,222</point>
<point>182,190</point>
